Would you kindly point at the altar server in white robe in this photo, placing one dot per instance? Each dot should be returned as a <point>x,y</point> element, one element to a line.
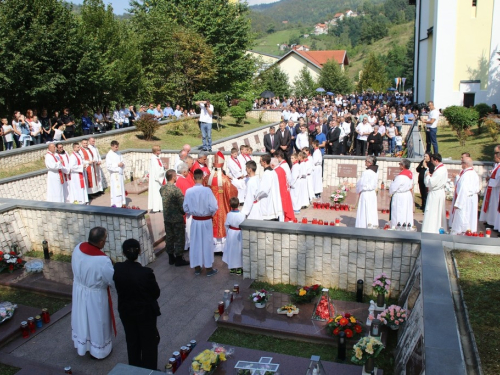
<point>92,319</point>
<point>367,204</point>
<point>489,210</point>
<point>156,181</point>
<point>201,205</point>
<point>309,170</point>
<point>97,165</point>
<point>435,210</point>
<point>251,207</point>
<point>78,182</point>
<point>269,191</point>
<point>401,190</point>
<point>294,184</point>
<point>55,177</point>
<point>236,172</point>
<point>304,199</point>
<point>317,170</point>
<point>463,215</point>
<point>64,157</point>
<point>116,166</point>
<point>233,247</point>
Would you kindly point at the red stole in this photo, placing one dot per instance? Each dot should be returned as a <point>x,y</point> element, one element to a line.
<point>286,199</point>
<point>59,170</point>
<point>92,250</point>
<point>89,168</point>
<point>439,166</point>
<point>161,166</point>
<point>66,176</point>
<point>183,183</point>
<point>489,190</point>
<point>237,162</point>
<point>246,157</point>
<point>407,173</point>
<point>82,183</point>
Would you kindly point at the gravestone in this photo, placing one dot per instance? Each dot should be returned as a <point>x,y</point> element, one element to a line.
<point>347,170</point>
<point>235,145</point>
<point>247,142</point>
<point>392,172</point>
<point>256,137</point>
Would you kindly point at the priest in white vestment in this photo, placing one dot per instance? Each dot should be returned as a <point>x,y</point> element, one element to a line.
<point>367,204</point>
<point>309,178</point>
<point>92,320</point>
<point>88,155</point>
<point>401,190</point>
<point>317,170</point>
<point>463,215</point>
<point>269,191</point>
<point>251,207</point>
<point>294,184</point>
<point>115,165</point>
<point>304,199</point>
<point>489,209</point>
<point>97,165</point>
<point>78,182</point>
<point>201,205</point>
<point>435,209</point>
<point>64,157</point>
<point>237,172</point>
<point>156,181</point>
<point>55,176</point>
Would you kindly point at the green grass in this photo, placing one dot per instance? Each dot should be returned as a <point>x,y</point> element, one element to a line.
<point>32,299</point>
<point>58,257</point>
<point>8,370</point>
<point>269,43</point>
<point>480,283</point>
<point>479,145</point>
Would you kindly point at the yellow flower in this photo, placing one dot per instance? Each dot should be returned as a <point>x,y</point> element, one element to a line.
<point>359,353</point>
<point>352,319</point>
<point>222,356</point>
<point>337,319</point>
<point>206,366</point>
<point>369,348</point>
<point>195,366</point>
<point>302,292</point>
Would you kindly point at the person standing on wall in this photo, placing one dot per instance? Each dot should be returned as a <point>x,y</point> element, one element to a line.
<point>431,129</point>
<point>207,110</point>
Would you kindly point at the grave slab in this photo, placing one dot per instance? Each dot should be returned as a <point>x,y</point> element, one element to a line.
<point>10,329</point>
<point>136,187</point>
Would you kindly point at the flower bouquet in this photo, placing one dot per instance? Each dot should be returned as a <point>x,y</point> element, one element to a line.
<point>393,316</point>
<point>260,297</point>
<point>207,361</point>
<point>339,195</point>
<point>367,348</point>
<point>381,284</point>
<point>346,323</point>
<point>306,294</point>
<point>289,310</point>
<point>324,309</point>
<point>6,311</point>
<point>449,189</point>
<point>10,261</point>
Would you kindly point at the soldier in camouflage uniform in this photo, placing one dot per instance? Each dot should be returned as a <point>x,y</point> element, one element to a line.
<point>173,219</point>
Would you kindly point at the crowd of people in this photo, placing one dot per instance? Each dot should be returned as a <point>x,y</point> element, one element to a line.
<point>33,128</point>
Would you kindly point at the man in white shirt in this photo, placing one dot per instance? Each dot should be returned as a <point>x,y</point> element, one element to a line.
<point>431,128</point>
<point>207,110</point>
<point>363,129</point>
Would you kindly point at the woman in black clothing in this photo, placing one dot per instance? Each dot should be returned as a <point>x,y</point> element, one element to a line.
<point>374,142</point>
<point>421,169</point>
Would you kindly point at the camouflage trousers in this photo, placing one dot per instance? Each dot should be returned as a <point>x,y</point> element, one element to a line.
<point>175,237</point>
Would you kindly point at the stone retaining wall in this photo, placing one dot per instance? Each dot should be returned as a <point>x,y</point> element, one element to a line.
<point>301,254</point>
<point>268,115</point>
<point>28,223</point>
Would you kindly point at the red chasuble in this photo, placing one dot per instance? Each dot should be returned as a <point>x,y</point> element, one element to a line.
<point>184,183</point>
<point>204,168</point>
<point>286,199</point>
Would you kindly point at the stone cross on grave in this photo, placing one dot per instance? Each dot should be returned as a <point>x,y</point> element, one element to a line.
<point>258,368</point>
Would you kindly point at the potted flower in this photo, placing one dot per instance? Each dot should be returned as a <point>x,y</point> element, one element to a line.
<point>365,351</point>
<point>207,361</point>
<point>10,261</point>
<point>393,317</point>
<point>346,323</point>
<point>259,298</point>
<point>306,294</point>
<point>381,285</point>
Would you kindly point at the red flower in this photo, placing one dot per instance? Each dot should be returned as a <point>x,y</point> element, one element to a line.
<point>1,253</point>
<point>347,315</point>
<point>348,333</point>
<point>336,331</point>
<point>11,267</point>
<point>358,328</point>
<point>315,286</point>
<point>343,322</point>
<point>13,253</point>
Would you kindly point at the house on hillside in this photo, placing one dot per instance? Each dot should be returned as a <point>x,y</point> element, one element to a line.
<point>284,47</point>
<point>301,47</point>
<point>320,29</point>
<point>457,52</point>
<point>351,13</point>
<point>338,16</point>
<point>262,60</point>
<point>293,62</point>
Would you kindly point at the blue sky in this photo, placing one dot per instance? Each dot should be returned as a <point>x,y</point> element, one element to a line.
<point>119,6</point>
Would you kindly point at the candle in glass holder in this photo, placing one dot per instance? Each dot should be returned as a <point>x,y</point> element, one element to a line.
<point>325,222</point>
<point>25,330</point>
<point>337,221</point>
<point>31,324</point>
<point>45,316</point>
<point>332,223</point>
<point>236,287</point>
<point>481,234</point>
<point>38,321</point>
<point>327,205</point>
<point>304,220</point>
<point>337,206</point>
<point>488,232</point>
<point>295,220</point>
<point>315,221</point>
<point>184,353</point>
<point>320,222</point>
<point>221,307</point>
<point>315,204</point>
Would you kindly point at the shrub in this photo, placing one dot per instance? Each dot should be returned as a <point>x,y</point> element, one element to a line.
<point>483,109</point>
<point>148,125</point>
<point>238,113</point>
<point>246,105</point>
<point>461,119</point>
<point>492,127</point>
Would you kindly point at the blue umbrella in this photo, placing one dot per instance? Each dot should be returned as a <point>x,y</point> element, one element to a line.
<point>329,93</point>
<point>391,89</point>
<point>320,89</point>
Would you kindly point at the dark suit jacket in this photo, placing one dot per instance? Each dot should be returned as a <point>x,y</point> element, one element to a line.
<point>267,142</point>
<point>333,138</point>
<point>137,289</point>
<point>284,139</point>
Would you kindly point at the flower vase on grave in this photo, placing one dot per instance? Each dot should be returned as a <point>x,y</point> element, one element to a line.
<point>369,365</point>
<point>260,305</point>
<point>380,300</point>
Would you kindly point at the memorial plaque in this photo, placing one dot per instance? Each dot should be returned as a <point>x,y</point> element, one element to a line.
<point>221,149</point>
<point>235,145</point>
<point>256,137</point>
<point>392,172</point>
<point>247,142</point>
<point>166,162</point>
<point>347,170</point>
<point>453,172</point>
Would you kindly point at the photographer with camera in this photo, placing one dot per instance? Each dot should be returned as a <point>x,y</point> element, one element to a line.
<point>431,128</point>
<point>207,110</point>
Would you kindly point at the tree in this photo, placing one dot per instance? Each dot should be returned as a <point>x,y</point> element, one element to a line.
<point>373,75</point>
<point>461,119</point>
<point>395,61</point>
<point>275,80</point>
<point>332,78</point>
<point>304,84</point>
